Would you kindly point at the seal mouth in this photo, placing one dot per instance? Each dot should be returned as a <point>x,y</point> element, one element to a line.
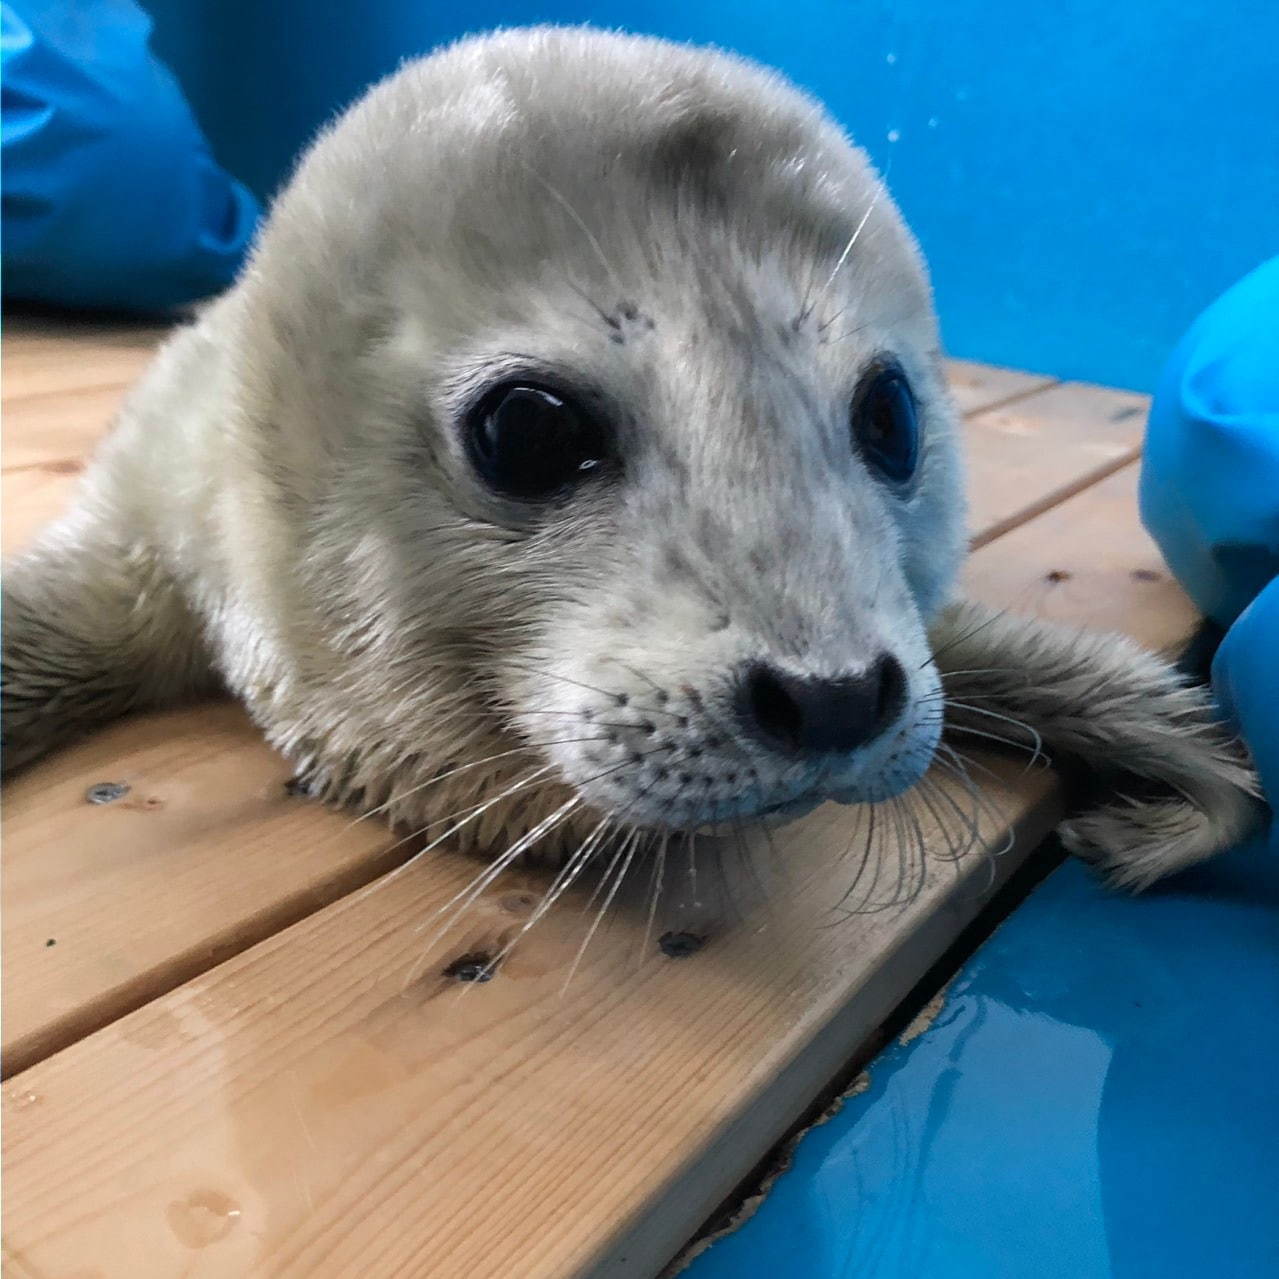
<point>778,814</point>
<point>792,807</point>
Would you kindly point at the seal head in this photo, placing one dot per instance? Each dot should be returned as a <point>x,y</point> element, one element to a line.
<point>575,443</point>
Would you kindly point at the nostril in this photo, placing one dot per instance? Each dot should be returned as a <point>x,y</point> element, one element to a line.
<point>892,690</point>
<point>772,709</point>
<point>823,715</point>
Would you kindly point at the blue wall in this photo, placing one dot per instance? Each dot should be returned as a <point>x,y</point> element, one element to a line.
<point>1084,177</point>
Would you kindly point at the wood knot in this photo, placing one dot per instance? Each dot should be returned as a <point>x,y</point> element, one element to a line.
<point>680,945</point>
<point>106,792</point>
<point>63,466</point>
<point>476,966</point>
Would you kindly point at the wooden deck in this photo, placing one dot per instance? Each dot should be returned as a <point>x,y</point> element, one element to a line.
<point>231,1045</point>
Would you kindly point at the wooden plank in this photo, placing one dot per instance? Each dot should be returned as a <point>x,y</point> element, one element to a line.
<point>62,383</point>
<point>109,904</point>
<point>329,1102</point>
<point>1088,562</point>
<point>976,386</point>
<point>57,428</point>
<point>30,499</point>
<point>43,356</point>
<point>1030,455</point>
<point>332,1103</point>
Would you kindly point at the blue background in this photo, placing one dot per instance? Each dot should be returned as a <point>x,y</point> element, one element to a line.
<point>1095,173</point>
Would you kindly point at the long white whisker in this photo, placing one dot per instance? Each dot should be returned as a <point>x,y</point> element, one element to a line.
<point>559,197</point>
<point>603,910</point>
<point>1031,731</point>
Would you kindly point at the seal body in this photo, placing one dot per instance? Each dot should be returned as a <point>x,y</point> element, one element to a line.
<point>659,270</point>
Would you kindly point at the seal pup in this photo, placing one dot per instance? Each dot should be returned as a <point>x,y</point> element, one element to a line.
<point>574,459</point>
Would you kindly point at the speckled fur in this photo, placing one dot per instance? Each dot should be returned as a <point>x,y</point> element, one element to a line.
<point>284,507</point>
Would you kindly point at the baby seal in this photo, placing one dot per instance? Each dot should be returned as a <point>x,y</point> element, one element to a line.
<point>574,455</point>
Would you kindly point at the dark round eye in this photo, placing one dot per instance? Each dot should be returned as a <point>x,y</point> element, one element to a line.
<point>885,424</point>
<point>529,442</point>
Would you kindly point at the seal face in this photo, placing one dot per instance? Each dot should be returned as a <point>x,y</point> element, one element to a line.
<point>574,447</point>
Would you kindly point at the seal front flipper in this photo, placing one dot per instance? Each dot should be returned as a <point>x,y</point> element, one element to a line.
<point>1167,785</point>
<point>93,628</point>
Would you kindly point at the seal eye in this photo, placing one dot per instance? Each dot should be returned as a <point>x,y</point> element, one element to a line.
<point>885,424</point>
<point>529,442</point>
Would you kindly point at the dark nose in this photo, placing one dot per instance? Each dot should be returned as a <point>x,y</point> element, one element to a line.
<point>816,716</point>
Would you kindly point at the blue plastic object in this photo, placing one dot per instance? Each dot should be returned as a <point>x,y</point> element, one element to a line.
<point>111,197</point>
<point>1210,495</point>
<point>1210,479</point>
<point>1245,676</point>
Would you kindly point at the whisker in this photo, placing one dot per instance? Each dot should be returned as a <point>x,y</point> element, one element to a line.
<point>504,859</point>
<point>568,874</point>
<point>954,764</point>
<point>880,188</point>
<point>959,639</point>
<point>1032,732</point>
<point>559,197</point>
<point>869,810</point>
<point>655,893</point>
<point>1011,742</point>
<point>528,748</point>
<point>603,910</point>
<point>930,794</point>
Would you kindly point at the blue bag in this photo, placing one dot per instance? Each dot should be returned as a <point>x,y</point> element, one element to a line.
<point>1210,496</point>
<point>111,197</point>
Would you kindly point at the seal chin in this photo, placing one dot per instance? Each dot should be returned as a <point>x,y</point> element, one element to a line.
<point>896,781</point>
<point>773,815</point>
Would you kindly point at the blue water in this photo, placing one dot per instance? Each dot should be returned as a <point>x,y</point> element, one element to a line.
<point>1095,1100</point>
<point>1084,178</point>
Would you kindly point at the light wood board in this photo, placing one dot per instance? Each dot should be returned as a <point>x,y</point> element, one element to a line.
<point>1073,432</point>
<point>975,387</point>
<point>108,904</point>
<point>1088,562</point>
<point>329,1103</point>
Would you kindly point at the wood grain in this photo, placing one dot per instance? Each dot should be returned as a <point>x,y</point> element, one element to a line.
<point>109,904</point>
<point>975,387</point>
<point>1032,454</point>
<point>58,429</point>
<point>330,1103</point>
<point>43,356</point>
<point>30,499</point>
<point>63,383</point>
<point>1088,562</point>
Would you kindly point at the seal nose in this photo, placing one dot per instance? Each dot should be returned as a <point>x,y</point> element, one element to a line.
<point>818,716</point>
